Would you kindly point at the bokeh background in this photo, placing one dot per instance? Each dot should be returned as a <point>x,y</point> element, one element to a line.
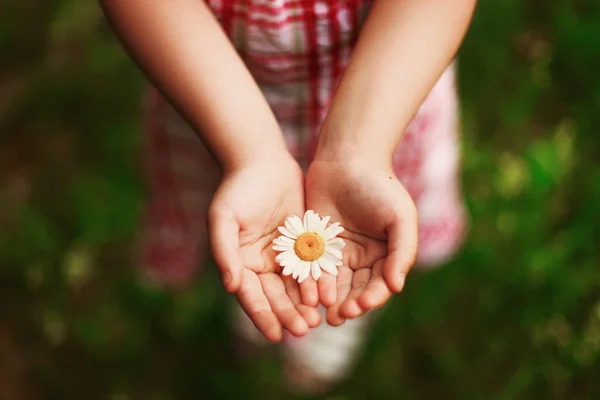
<point>515,316</point>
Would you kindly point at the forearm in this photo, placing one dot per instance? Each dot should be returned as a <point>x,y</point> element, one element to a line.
<point>403,49</point>
<point>184,52</point>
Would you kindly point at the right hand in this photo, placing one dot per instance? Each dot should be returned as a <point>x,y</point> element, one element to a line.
<point>249,205</point>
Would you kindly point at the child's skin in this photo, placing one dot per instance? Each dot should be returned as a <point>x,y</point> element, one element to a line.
<point>403,49</point>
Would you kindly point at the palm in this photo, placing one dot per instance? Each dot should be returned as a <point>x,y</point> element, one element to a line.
<point>247,209</point>
<point>380,233</point>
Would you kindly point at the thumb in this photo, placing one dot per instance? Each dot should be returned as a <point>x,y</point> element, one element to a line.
<point>402,249</point>
<point>224,244</point>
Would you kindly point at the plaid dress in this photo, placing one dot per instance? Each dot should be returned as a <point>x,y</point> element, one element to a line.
<point>296,50</point>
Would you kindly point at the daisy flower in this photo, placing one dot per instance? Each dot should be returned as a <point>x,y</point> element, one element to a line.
<point>309,246</point>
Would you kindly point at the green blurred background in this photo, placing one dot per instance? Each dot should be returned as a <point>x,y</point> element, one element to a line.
<point>516,315</point>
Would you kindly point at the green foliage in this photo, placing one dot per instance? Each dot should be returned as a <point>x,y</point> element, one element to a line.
<point>515,315</point>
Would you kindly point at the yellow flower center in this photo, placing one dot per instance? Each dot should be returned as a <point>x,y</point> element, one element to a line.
<point>309,246</point>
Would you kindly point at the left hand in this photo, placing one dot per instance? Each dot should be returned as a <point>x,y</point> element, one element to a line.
<point>380,222</point>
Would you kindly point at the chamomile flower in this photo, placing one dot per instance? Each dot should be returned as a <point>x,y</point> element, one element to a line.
<point>309,246</point>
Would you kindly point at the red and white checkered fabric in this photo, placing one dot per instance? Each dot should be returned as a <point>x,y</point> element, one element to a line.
<point>296,51</point>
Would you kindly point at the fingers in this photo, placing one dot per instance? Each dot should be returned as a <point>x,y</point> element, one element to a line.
<point>292,289</point>
<point>350,307</point>
<point>224,243</point>
<point>377,291</point>
<point>327,289</point>
<point>310,314</point>
<point>402,249</point>
<point>256,305</point>
<point>344,285</point>
<point>310,294</point>
<point>282,306</point>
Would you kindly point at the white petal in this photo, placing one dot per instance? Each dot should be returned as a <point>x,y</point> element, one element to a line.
<point>332,231</point>
<point>304,271</point>
<point>291,264</point>
<point>289,260</point>
<point>292,227</point>
<point>335,243</point>
<point>333,252</point>
<point>305,220</point>
<point>308,219</point>
<point>327,266</point>
<point>297,224</point>
<point>287,254</point>
<point>314,221</point>
<point>332,259</point>
<point>316,270</point>
<point>285,247</point>
<point>296,272</point>
<point>284,241</point>
<point>323,225</point>
<point>287,270</point>
<point>286,232</point>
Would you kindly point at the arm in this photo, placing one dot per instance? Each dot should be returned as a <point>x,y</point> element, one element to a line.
<point>402,51</point>
<point>182,49</point>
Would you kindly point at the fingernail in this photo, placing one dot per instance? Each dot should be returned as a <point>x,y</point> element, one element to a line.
<point>400,279</point>
<point>226,279</point>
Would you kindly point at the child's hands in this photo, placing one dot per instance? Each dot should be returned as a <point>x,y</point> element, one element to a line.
<point>380,222</point>
<point>249,205</point>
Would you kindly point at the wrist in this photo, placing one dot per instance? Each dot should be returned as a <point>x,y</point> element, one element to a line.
<point>242,155</point>
<point>350,146</point>
<point>274,159</point>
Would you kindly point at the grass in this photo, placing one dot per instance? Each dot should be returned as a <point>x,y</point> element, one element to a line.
<point>515,315</point>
